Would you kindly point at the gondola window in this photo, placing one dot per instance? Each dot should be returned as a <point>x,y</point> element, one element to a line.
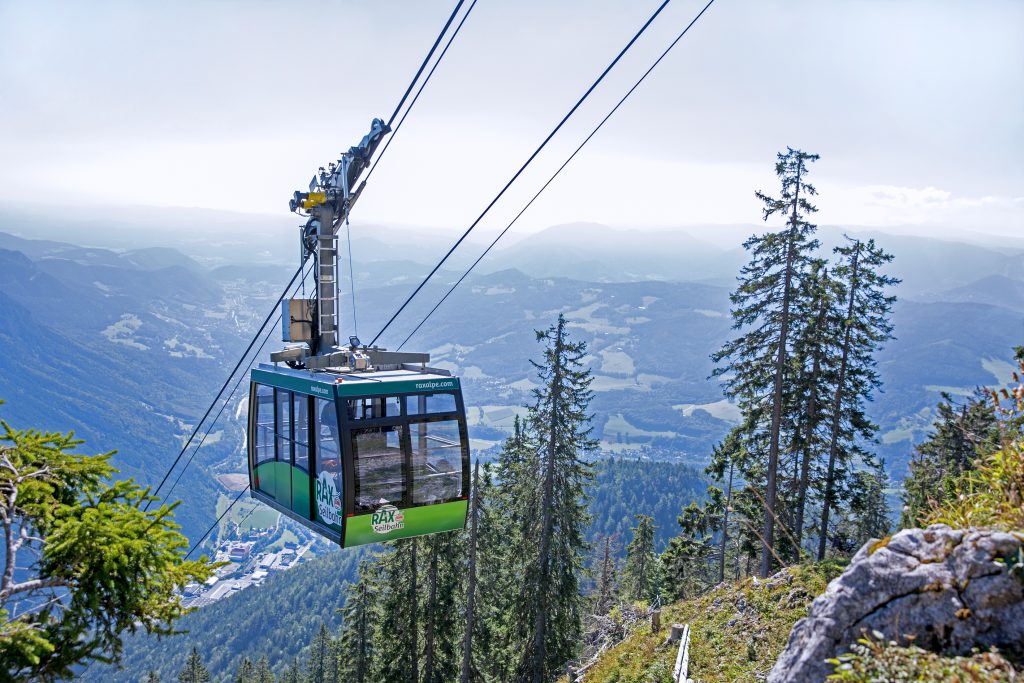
<point>436,462</point>
<point>379,466</point>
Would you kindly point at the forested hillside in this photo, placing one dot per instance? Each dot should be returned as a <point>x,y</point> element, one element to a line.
<point>280,617</point>
<point>276,620</point>
<point>624,488</point>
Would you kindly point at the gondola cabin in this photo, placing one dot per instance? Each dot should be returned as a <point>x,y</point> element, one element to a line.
<point>361,457</point>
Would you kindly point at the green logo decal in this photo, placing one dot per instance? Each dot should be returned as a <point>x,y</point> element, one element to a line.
<point>387,518</point>
<point>328,499</point>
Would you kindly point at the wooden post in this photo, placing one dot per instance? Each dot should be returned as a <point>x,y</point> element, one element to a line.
<point>676,633</point>
<point>655,621</point>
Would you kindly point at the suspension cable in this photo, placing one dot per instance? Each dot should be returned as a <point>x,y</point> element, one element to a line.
<point>425,61</point>
<point>523,167</point>
<point>220,393</point>
<point>556,173</point>
<point>387,143</point>
<point>217,523</point>
<point>352,278</point>
<point>224,386</point>
<point>227,401</point>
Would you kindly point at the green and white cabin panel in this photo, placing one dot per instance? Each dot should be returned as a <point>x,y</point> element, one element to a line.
<point>360,458</point>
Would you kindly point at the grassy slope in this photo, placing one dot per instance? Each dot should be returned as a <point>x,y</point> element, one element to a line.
<point>737,630</point>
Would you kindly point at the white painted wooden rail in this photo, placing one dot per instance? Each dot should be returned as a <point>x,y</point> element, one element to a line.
<point>681,670</point>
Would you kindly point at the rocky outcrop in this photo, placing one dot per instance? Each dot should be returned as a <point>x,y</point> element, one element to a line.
<point>945,589</point>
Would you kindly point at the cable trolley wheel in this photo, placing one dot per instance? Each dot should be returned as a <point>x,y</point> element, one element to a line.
<point>362,457</point>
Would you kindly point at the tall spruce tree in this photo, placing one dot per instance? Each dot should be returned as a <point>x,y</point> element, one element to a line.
<point>359,622</point>
<point>502,550</point>
<point>396,642</point>
<point>319,653</point>
<point>476,514</point>
<point>246,672</point>
<point>763,306</point>
<point>815,350</point>
<point>292,674</point>
<point>441,578</point>
<point>640,572</point>
<point>866,327</point>
<point>686,559</point>
<point>606,587</point>
<point>960,434</point>
<point>263,672</point>
<point>561,428</point>
<point>195,671</point>
<point>869,510</point>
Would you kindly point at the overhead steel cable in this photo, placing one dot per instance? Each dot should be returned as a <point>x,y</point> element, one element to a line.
<point>217,523</point>
<point>556,173</point>
<point>274,309</point>
<point>394,115</point>
<point>523,167</point>
<point>394,132</point>
<point>426,60</point>
<point>224,404</point>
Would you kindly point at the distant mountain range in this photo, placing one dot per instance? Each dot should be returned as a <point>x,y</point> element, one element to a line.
<point>127,346</point>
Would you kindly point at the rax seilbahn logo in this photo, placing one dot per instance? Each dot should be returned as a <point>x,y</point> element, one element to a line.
<point>387,518</point>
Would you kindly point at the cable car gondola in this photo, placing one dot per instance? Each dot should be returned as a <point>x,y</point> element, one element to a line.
<point>357,443</point>
<point>361,457</point>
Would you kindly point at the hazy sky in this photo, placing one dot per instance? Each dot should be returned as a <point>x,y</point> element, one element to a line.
<point>917,108</point>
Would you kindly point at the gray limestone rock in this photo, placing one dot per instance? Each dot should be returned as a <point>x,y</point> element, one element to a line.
<point>947,589</point>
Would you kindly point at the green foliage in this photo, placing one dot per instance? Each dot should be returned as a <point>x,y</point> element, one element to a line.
<point>738,630</point>
<point>91,563</point>
<point>359,619</point>
<point>874,660</point>
<point>319,656</point>
<point>970,472</point>
<point>560,424</point>
<point>801,370</point>
<point>194,671</point>
<point>960,435</point>
<point>246,672</point>
<point>275,621</point>
<point>442,575</point>
<point>396,647</point>
<point>641,573</point>
<point>624,487</point>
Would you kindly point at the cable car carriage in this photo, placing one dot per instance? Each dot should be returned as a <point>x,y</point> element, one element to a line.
<point>357,443</point>
<point>360,458</point>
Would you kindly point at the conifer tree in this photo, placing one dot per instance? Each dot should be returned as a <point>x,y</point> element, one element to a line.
<point>509,540</point>
<point>293,674</point>
<point>763,306</point>
<point>959,435</point>
<point>607,579</point>
<point>640,573</point>
<point>152,677</point>
<point>396,642</point>
<point>501,552</point>
<point>869,511</point>
<point>84,554</point>
<point>319,652</point>
<point>724,457</point>
<point>263,672</point>
<point>866,328</point>
<point>246,672</point>
<point>195,671</point>
<point>355,648</point>
<point>561,427</point>
<point>444,570</point>
<point>475,517</point>
<point>685,560</point>
<point>815,347</point>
